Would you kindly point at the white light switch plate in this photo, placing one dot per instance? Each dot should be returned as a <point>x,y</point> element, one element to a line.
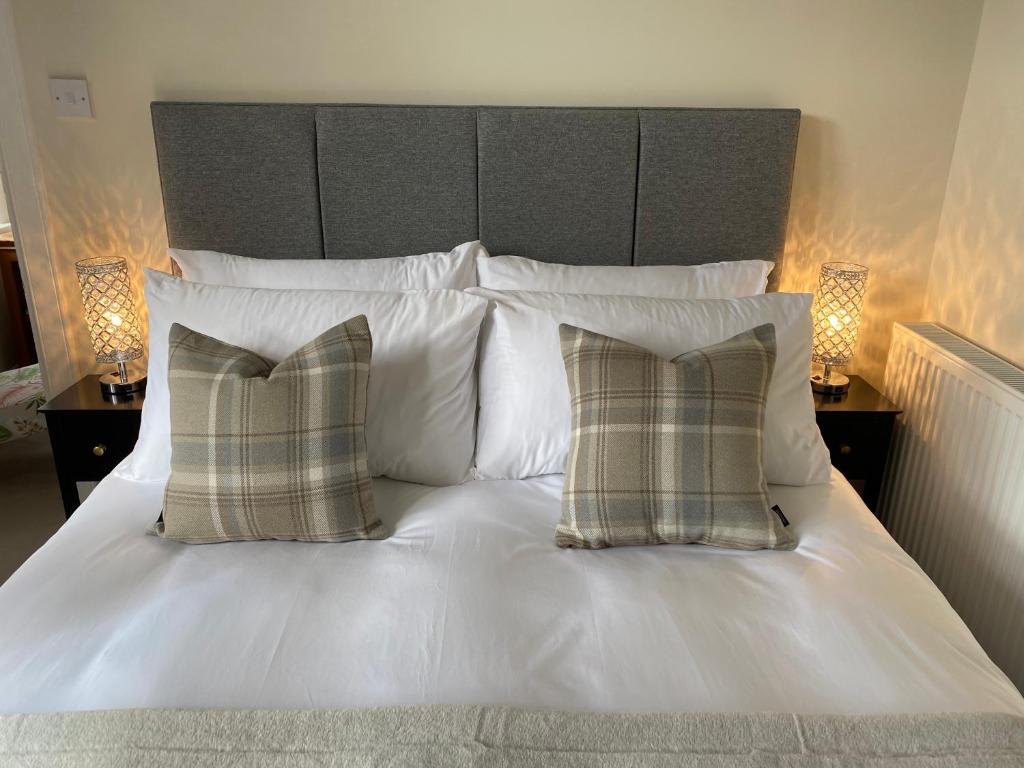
<point>70,97</point>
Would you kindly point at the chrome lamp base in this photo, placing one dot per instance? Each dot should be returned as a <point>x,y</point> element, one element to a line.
<point>828,382</point>
<point>120,385</point>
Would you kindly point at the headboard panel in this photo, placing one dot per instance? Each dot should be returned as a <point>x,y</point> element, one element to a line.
<point>558,184</point>
<point>240,178</point>
<point>396,180</point>
<point>573,185</point>
<point>713,185</point>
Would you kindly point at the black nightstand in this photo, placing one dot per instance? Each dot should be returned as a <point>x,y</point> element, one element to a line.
<point>89,435</point>
<point>857,428</point>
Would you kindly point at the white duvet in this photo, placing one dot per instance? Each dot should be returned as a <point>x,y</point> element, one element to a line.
<point>469,601</point>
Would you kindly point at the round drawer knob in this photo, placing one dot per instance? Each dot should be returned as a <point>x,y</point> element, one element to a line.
<point>99,449</point>
<point>845,450</point>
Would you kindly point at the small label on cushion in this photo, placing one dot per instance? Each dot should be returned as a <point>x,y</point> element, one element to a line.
<point>778,511</point>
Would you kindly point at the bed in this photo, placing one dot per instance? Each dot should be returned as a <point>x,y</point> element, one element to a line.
<point>467,637</point>
<point>466,603</point>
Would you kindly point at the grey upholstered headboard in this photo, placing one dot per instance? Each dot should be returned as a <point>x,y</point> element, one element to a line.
<point>571,185</point>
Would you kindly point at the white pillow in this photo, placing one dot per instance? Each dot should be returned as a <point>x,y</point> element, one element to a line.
<point>456,269</point>
<point>721,280</point>
<point>421,400</point>
<point>524,420</point>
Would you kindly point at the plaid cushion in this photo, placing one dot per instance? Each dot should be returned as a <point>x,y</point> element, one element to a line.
<point>668,452</point>
<point>260,451</point>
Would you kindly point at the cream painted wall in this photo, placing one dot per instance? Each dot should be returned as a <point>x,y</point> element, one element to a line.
<point>977,279</point>
<point>881,83</point>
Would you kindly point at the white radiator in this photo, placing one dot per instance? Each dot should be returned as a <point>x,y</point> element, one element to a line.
<point>954,492</point>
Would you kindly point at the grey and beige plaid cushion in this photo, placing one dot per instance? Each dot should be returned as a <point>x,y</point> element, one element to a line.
<point>668,451</point>
<point>264,451</point>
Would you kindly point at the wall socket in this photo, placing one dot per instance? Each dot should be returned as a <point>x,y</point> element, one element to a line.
<point>70,97</point>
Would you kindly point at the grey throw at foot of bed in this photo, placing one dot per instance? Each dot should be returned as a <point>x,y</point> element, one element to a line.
<point>474,736</point>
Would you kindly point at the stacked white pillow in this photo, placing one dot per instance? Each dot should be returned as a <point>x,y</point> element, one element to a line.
<point>524,419</point>
<point>719,280</point>
<point>455,269</point>
<point>421,400</point>
<point>422,394</point>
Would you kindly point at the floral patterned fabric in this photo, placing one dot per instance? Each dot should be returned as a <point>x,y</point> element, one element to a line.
<point>21,394</point>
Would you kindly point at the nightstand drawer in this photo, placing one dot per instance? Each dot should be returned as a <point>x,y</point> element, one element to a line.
<point>855,446</point>
<point>91,445</point>
<point>857,429</point>
<point>89,435</point>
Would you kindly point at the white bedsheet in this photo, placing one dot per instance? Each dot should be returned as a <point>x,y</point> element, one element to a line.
<point>470,602</point>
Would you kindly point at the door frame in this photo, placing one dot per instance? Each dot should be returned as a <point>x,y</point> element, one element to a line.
<point>27,207</point>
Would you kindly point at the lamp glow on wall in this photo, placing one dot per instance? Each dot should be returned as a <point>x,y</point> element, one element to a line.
<point>113,322</point>
<point>836,313</point>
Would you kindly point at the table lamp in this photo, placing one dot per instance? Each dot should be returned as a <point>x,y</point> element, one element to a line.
<point>836,313</point>
<point>113,324</point>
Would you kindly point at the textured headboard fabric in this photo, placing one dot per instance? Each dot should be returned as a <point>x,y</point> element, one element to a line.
<point>569,185</point>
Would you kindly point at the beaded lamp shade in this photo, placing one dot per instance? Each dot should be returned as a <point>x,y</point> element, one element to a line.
<point>837,311</point>
<point>110,309</point>
<point>113,323</point>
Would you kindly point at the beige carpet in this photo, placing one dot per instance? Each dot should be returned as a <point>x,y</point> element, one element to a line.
<point>30,506</point>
